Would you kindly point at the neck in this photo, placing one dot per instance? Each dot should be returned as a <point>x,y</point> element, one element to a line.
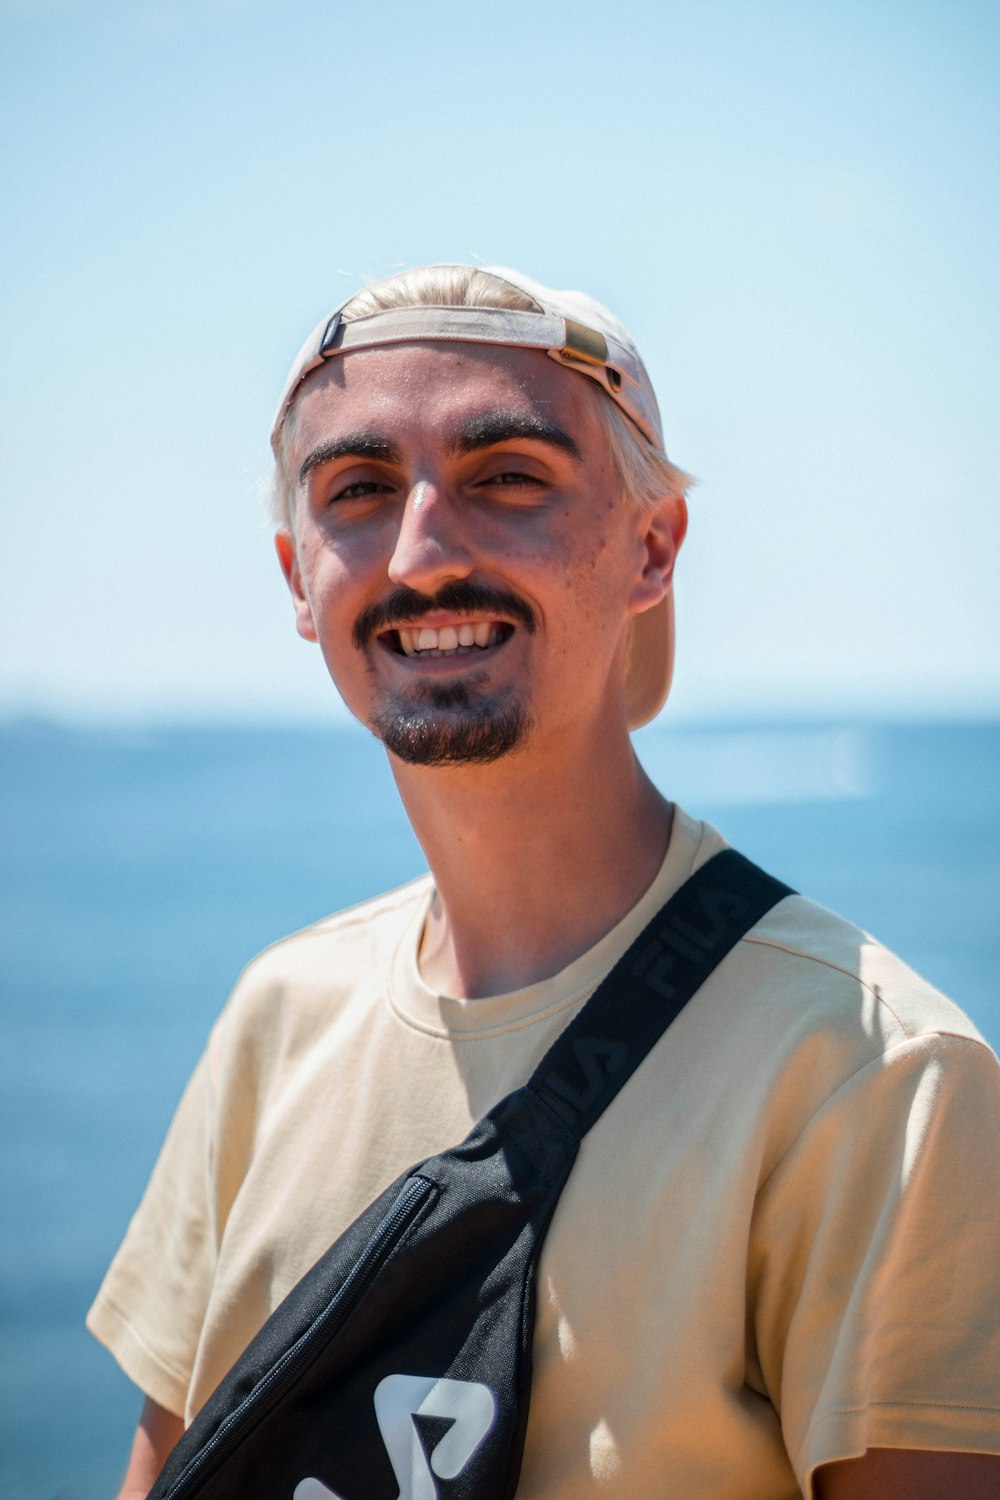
<point>534,859</point>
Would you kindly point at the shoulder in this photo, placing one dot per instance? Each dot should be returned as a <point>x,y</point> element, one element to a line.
<point>312,981</point>
<point>803,968</point>
<point>833,972</point>
<point>322,948</point>
<point>810,1016</point>
<point>851,1043</point>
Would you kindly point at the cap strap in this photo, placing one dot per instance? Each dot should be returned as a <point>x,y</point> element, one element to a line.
<point>584,349</point>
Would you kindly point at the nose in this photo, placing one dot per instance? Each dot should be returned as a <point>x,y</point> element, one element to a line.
<point>432,545</point>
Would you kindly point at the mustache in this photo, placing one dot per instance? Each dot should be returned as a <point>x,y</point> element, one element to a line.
<point>461,597</point>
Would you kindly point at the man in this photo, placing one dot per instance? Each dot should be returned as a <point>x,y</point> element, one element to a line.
<point>773,1269</point>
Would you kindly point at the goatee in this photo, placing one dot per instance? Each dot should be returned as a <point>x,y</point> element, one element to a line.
<point>452,727</point>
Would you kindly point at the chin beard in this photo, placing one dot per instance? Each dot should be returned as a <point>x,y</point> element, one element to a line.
<point>451,728</point>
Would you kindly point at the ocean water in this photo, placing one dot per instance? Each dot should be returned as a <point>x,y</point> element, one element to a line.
<point>139,871</point>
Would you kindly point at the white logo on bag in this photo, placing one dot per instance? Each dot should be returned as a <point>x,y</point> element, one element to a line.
<point>469,1406</point>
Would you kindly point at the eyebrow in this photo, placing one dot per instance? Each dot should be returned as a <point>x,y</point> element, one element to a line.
<point>484,431</point>
<point>361,444</point>
<point>502,426</point>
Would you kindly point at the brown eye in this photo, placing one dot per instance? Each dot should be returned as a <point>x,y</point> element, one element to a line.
<point>512,479</point>
<point>360,489</point>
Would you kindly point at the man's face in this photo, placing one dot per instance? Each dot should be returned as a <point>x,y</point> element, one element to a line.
<point>461,551</point>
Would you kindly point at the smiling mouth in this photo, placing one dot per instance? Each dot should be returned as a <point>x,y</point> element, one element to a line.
<point>447,640</point>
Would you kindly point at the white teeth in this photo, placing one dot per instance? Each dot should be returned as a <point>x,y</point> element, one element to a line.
<point>428,641</point>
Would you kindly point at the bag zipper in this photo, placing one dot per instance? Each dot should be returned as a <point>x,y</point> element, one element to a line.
<point>412,1196</point>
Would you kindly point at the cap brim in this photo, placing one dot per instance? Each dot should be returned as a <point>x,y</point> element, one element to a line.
<point>650,663</point>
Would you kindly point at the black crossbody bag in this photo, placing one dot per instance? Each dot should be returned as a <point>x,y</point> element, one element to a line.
<point>399,1367</point>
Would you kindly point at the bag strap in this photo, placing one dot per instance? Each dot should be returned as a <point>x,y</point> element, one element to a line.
<point>649,986</point>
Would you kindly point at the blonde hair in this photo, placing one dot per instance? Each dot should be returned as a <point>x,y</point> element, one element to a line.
<point>645,473</point>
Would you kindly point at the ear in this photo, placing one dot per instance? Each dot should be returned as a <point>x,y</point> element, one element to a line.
<point>662,531</point>
<point>284,545</point>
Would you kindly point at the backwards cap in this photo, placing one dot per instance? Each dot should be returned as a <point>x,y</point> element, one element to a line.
<point>584,337</point>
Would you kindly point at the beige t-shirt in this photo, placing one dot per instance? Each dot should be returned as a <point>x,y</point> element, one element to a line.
<point>778,1246</point>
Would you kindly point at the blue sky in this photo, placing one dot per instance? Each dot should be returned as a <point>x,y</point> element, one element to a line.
<point>792,206</point>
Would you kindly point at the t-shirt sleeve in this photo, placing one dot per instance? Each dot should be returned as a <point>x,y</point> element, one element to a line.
<point>874,1271</point>
<point>151,1305</point>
